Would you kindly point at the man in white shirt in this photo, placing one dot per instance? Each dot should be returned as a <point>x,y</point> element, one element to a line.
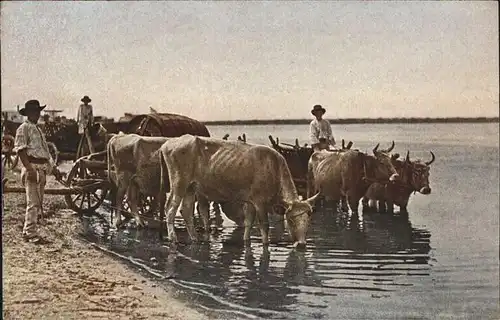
<point>320,130</point>
<point>85,119</point>
<point>31,146</point>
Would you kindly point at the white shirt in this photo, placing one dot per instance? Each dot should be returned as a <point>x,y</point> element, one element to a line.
<point>320,129</point>
<point>85,117</point>
<point>30,137</point>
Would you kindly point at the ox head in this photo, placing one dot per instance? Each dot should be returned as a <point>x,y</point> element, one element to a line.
<point>383,167</point>
<point>417,173</point>
<point>298,217</point>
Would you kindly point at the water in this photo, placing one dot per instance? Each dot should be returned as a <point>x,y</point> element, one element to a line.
<point>442,261</point>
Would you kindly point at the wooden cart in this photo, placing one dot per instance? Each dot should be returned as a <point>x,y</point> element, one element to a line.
<point>86,186</point>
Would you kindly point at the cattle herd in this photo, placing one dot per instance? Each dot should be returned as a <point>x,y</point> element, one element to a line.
<point>250,182</point>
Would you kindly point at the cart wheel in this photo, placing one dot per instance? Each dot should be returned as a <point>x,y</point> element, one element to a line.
<point>84,203</point>
<point>53,151</point>
<point>10,160</point>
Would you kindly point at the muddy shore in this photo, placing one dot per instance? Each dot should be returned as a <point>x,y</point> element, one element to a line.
<point>69,279</point>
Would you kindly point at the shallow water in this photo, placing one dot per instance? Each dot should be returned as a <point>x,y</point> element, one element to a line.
<point>440,262</point>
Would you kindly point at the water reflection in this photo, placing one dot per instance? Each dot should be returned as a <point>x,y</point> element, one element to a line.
<point>365,256</point>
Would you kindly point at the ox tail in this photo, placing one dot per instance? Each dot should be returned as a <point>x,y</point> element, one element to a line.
<point>163,173</point>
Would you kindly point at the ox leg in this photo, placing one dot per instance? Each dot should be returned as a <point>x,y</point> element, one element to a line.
<point>343,204</point>
<point>263,225</point>
<point>120,194</point>
<point>217,213</point>
<point>173,203</point>
<point>353,202</point>
<point>249,211</point>
<point>381,206</point>
<point>161,203</point>
<point>133,198</point>
<point>390,206</point>
<point>364,202</point>
<point>204,212</point>
<point>187,212</point>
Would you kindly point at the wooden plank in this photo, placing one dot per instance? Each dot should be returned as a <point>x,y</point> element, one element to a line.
<point>57,191</point>
<point>94,164</point>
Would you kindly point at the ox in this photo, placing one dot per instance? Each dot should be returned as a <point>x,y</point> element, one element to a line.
<point>414,178</point>
<point>254,176</point>
<point>347,175</point>
<point>136,165</point>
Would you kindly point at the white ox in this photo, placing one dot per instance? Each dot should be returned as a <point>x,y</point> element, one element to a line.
<point>254,176</point>
<point>137,170</point>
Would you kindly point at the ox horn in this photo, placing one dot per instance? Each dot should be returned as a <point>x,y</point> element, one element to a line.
<point>432,160</point>
<point>376,148</point>
<point>297,145</point>
<point>244,137</point>
<point>272,140</point>
<point>343,144</point>
<point>407,156</point>
<point>312,199</point>
<point>390,148</point>
<point>349,145</point>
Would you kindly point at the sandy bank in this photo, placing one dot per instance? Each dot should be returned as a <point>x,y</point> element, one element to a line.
<point>68,279</point>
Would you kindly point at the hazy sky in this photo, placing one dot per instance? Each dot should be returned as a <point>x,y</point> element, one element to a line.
<point>248,60</point>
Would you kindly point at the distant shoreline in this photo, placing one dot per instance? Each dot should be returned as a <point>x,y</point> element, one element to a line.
<point>355,121</point>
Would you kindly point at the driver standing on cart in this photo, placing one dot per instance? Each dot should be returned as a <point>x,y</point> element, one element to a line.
<point>85,120</point>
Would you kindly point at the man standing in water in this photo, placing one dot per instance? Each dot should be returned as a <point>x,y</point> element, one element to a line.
<point>31,146</point>
<point>320,130</point>
<point>85,119</point>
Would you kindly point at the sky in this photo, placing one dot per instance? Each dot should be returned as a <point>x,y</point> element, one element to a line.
<point>253,60</point>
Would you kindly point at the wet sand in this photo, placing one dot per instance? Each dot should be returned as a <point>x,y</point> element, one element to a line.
<point>69,279</point>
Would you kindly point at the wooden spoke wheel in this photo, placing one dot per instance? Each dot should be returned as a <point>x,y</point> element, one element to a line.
<point>10,159</point>
<point>94,189</point>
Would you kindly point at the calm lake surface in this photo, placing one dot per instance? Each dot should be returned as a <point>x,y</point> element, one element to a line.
<point>442,261</point>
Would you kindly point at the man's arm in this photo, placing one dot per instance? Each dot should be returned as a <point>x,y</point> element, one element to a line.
<point>331,139</point>
<point>313,134</point>
<point>21,146</point>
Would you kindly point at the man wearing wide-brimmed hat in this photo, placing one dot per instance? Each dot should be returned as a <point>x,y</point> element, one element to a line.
<point>320,130</point>
<point>31,146</point>
<point>85,119</point>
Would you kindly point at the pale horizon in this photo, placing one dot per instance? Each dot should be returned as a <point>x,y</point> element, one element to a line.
<point>254,60</point>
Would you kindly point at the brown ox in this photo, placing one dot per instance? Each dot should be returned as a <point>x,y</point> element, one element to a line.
<point>254,176</point>
<point>339,175</point>
<point>297,158</point>
<point>414,178</point>
<point>134,169</point>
